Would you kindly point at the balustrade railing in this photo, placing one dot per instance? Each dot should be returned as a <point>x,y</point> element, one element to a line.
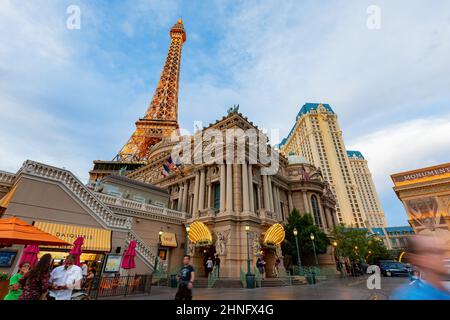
<point>95,202</point>
<point>136,205</point>
<point>145,251</point>
<point>7,177</point>
<point>101,211</point>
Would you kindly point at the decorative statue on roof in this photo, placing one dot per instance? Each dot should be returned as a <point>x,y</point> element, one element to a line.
<point>233,109</point>
<point>305,175</point>
<point>122,170</point>
<point>327,191</point>
<point>98,187</point>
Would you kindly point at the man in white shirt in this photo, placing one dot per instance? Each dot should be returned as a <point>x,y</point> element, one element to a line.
<point>65,279</point>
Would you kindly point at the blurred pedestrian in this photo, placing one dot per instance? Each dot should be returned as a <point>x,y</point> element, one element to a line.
<point>15,289</point>
<point>89,280</point>
<point>260,264</point>
<point>36,282</point>
<point>427,254</point>
<point>276,266</point>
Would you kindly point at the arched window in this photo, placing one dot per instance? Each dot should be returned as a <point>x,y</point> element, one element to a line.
<point>316,211</point>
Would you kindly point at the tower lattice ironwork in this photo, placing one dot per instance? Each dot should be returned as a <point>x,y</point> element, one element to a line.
<point>161,117</point>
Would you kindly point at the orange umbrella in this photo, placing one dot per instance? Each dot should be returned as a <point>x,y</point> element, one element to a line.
<point>16,231</point>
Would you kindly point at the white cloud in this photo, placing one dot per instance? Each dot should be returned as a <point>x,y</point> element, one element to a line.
<point>405,146</point>
<point>281,56</point>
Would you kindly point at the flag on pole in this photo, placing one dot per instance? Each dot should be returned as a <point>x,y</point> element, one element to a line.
<point>165,170</point>
<point>169,166</point>
<point>169,163</point>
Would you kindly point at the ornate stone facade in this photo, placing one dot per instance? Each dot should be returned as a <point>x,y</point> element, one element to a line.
<point>425,194</point>
<point>228,196</point>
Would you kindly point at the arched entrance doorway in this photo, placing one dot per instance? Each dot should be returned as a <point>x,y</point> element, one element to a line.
<point>273,237</point>
<point>202,246</point>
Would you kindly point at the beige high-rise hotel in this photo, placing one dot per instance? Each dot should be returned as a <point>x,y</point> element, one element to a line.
<point>316,135</point>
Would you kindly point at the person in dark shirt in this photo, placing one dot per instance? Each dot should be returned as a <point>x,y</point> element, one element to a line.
<point>217,263</point>
<point>186,278</point>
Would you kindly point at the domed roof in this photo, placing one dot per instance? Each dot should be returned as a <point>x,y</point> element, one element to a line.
<point>296,159</point>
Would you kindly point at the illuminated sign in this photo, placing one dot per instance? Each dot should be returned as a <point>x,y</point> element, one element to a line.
<point>426,174</point>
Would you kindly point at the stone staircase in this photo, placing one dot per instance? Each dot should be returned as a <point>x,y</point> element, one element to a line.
<point>201,283</point>
<point>93,205</point>
<point>228,283</point>
<point>277,282</point>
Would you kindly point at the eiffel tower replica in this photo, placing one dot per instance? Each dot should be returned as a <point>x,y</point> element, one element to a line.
<point>160,120</point>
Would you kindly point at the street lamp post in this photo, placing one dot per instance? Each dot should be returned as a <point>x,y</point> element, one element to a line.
<point>187,239</point>
<point>249,276</point>
<point>335,249</point>
<point>155,267</point>
<point>299,261</point>
<point>314,248</point>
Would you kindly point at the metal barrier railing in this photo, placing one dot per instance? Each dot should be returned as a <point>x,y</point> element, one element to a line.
<point>160,277</point>
<point>258,277</point>
<point>102,287</point>
<point>284,276</point>
<point>323,272</point>
<point>242,278</point>
<point>212,277</point>
<point>305,270</point>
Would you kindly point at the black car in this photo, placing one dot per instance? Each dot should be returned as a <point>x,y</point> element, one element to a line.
<point>392,269</point>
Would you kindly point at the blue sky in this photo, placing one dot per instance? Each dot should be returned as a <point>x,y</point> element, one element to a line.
<point>68,97</point>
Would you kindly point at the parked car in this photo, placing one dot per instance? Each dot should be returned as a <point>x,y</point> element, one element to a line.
<point>392,269</point>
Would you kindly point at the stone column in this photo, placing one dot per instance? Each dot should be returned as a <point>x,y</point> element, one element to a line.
<point>201,195</point>
<point>291,205</point>
<point>222,187</point>
<point>306,203</point>
<point>328,217</point>
<point>266,193</point>
<point>208,199</point>
<point>277,202</point>
<point>271,207</point>
<point>274,196</point>
<point>237,187</point>
<point>250,188</point>
<point>229,183</point>
<point>185,196</point>
<point>274,199</point>
<point>180,196</point>
<point>258,196</point>
<point>195,202</point>
<point>334,218</point>
<point>245,197</point>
